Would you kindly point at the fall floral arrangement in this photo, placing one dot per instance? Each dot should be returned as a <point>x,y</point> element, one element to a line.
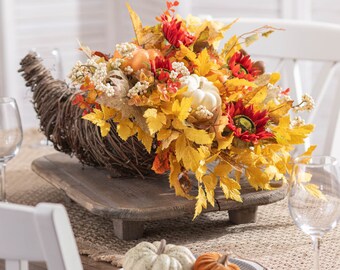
<point>192,104</point>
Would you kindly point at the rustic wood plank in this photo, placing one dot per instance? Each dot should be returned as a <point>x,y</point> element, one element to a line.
<point>125,198</point>
<point>128,230</point>
<point>242,216</point>
<point>130,201</point>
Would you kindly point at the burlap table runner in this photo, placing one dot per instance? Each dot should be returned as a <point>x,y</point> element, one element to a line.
<point>274,241</point>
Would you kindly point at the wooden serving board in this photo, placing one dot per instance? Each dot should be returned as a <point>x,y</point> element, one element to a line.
<point>130,201</point>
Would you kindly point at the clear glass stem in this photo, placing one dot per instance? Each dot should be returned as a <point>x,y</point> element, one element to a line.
<point>316,248</point>
<point>3,197</point>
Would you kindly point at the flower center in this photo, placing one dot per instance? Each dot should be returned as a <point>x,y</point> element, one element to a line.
<point>244,70</point>
<point>245,123</point>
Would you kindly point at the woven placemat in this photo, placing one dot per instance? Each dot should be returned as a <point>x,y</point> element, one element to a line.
<point>273,240</point>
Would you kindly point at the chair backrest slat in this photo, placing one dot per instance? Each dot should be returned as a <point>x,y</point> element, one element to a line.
<point>18,234</point>
<point>41,233</point>
<point>16,265</point>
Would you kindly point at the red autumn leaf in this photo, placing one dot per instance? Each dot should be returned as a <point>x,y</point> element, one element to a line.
<point>100,54</point>
<point>77,99</point>
<point>285,92</point>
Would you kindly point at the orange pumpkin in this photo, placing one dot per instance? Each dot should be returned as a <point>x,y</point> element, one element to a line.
<point>214,261</point>
<point>141,59</point>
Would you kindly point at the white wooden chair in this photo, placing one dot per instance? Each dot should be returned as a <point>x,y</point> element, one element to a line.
<point>41,233</point>
<point>297,51</point>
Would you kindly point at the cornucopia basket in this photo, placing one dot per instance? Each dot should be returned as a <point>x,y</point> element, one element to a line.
<point>61,122</point>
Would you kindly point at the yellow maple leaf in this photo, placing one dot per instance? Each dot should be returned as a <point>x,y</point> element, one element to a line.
<point>209,33</point>
<point>231,189</point>
<point>235,82</point>
<point>145,138</point>
<point>276,111</point>
<point>182,109</point>
<point>168,140</point>
<point>309,151</point>
<point>108,113</point>
<point>105,129</point>
<point>98,117</point>
<point>177,124</point>
<point>210,183</point>
<point>185,52</point>
<point>206,158</point>
<point>272,172</point>
<point>155,120</point>
<point>199,136</point>
<point>163,134</point>
<point>231,47</point>
<point>225,142</point>
<point>95,117</point>
<point>191,159</point>
<point>125,129</point>
<point>190,156</point>
<point>175,171</point>
<point>203,63</point>
<point>180,147</point>
<point>201,202</point>
<point>257,178</point>
<point>287,135</point>
<point>259,97</point>
<point>222,169</point>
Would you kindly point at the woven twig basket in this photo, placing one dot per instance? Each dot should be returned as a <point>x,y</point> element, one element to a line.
<point>61,122</point>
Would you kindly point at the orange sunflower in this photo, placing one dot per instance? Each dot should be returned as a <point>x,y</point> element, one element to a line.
<point>247,125</point>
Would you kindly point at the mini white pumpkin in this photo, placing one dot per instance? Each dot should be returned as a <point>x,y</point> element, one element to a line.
<point>203,92</point>
<point>158,256</point>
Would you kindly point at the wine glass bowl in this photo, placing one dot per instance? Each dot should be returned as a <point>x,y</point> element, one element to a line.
<point>314,197</point>
<point>11,136</point>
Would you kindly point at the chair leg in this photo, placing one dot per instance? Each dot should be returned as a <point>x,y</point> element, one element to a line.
<point>16,265</point>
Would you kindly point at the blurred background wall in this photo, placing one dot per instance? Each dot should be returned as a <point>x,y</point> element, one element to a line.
<point>45,25</point>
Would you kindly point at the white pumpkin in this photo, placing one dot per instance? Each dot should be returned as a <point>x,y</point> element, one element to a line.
<point>203,92</point>
<point>158,256</point>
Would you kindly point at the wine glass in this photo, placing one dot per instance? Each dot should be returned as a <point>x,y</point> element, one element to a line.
<point>10,137</point>
<point>314,197</point>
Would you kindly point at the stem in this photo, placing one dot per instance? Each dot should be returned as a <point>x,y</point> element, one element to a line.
<point>161,247</point>
<point>223,260</point>
<point>316,248</point>
<point>2,182</point>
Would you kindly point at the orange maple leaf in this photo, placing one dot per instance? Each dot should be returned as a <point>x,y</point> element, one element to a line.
<point>161,163</point>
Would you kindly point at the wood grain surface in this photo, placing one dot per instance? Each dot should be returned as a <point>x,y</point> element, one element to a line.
<point>132,199</point>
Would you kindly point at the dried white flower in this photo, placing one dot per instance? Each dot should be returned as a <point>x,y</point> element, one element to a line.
<point>180,68</point>
<point>202,113</point>
<point>126,49</point>
<point>116,63</point>
<point>139,89</point>
<point>307,104</point>
<point>297,122</point>
<point>128,70</point>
